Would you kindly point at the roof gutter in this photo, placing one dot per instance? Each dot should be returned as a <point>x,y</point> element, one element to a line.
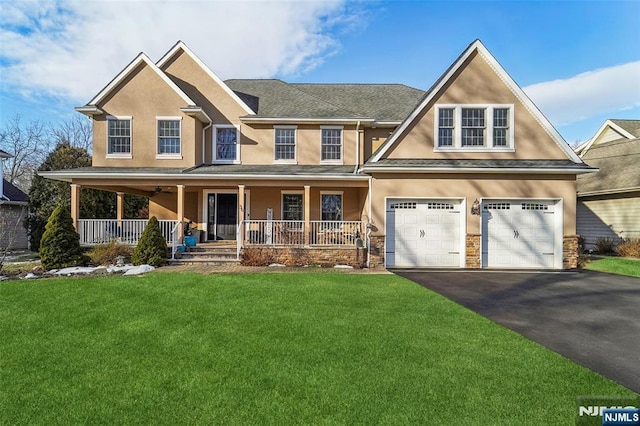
<point>306,120</point>
<point>373,169</point>
<point>67,177</point>
<point>609,191</point>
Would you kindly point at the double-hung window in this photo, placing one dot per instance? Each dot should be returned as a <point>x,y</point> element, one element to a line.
<point>169,137</point>
<point>474,128</point>
<point>285,144</point>
<point>119,137</point>
<point>226,144</point>
<point>331,145</point>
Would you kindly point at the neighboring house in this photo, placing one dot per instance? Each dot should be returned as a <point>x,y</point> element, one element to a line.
<point>468,174</point>
<point>609,200</point>
<point>13,211</point>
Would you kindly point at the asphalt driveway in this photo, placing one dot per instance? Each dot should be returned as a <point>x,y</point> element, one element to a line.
<point>590,317</point>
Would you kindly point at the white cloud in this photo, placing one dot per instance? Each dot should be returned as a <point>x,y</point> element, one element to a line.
<point>71,49</point>
<point>605,90</point>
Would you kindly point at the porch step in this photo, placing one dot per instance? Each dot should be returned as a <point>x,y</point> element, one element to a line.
<point>208,254</point>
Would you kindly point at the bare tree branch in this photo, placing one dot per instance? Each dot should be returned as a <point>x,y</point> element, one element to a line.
<point>77,132</point>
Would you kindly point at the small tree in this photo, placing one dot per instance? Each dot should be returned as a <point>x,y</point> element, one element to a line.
<point>152,247</point>
<point>60,244</point>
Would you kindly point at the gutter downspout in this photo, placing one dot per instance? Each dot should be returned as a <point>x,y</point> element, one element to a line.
<point>368,230</point>
<point>357,148</point>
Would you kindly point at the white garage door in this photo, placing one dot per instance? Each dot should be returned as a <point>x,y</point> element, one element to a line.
<point>519,233</point>
<point>423,233</point>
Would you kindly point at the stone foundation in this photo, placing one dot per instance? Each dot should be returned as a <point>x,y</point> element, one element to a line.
<point>301,256</point>
<point>570,251</point>
<point>472,251</point>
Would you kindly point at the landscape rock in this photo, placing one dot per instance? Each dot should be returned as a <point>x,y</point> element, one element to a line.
<point>75,270</point>
<point>137,270</point>
<point>30,276</point>
<point>277,265</point>
<point>343,267</point>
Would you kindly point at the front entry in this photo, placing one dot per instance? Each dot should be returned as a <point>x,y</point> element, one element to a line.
<point>222,216</point>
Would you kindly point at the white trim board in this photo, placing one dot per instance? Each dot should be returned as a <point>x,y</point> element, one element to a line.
<point>141,58</point>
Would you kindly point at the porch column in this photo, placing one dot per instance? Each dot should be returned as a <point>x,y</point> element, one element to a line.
<point>180,212</point>
<point>119,207</point>
<point>241,213</point>
<point>75,204</point>
<point>307,212</point>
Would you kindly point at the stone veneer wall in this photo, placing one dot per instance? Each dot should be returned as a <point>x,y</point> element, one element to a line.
<point>376,259</point>
<point>570,248</point>
<point>301,256</point>
<point>472,251</point>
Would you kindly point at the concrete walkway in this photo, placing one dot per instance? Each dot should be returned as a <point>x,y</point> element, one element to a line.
<point>590,317</point>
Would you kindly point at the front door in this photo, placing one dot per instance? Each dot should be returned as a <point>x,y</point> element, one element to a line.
<point>222,216</point>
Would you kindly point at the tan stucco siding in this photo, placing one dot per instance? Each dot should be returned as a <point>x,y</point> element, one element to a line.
<point>144,96</point>
<point>471,187</point>
<point>373,139</point>
<point>258,144</point>
<point>205,91</point>
<point>164,206</point>
<point>477,83</point>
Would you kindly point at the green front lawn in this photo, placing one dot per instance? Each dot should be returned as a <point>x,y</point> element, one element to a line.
<point>616,265</point>
<point>172,348</point>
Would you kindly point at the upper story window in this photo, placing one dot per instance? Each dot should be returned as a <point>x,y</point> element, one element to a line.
<point>169,137</point>
<point>285,144</point>
<point>226,144</point>
<point>331,145</point>
<point>474,128</point>
<point>119,137</point>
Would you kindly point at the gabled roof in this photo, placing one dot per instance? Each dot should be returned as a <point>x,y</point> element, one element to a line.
<point>13,194</point>
<point>506,78</point>
<point>627,129</point>
<point>140,59</point>
<point>618,163</point>
<point>181,46</point>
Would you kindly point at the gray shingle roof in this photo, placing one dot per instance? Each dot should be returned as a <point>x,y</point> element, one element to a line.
<point>618,163</point>
<point>631,126</point>
<point>217,169</point>
<point>277,99</point>
<point>478,164</point>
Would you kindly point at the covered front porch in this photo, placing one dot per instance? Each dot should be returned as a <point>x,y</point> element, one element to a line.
<point>314,211</point>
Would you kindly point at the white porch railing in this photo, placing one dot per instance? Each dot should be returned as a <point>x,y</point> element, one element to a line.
<point>292,232</point>
<point>127,231</point>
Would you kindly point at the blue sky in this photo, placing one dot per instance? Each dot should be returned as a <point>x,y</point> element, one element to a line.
<point>578,60</point>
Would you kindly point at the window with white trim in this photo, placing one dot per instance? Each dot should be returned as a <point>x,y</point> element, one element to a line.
<point>226,144</point>
<point>292,206</point>
<point>474,127</point>
<point>285,144</point>
<point>331,205</point>
<point>331,144</point>
<point>169,137</point>
<point>119,136</point>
